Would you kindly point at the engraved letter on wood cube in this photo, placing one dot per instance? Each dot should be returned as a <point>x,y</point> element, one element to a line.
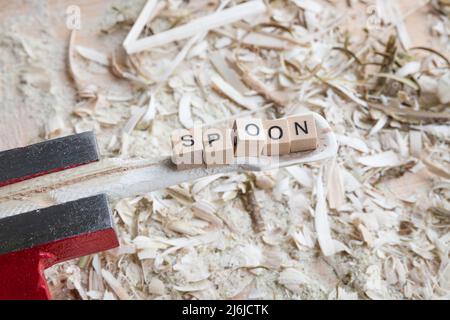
<point>218,147</point>
<point>187,146</point>
<point>249,137</point>
<point>303,132</point>
<point>277,133</point>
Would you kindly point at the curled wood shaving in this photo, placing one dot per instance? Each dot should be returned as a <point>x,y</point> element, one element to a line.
<point>277,98</point>
<point>206,211</point>
<point>227,73</point>
<point>408,186</point>
<point>260,40</point>
<point>443,89</point>
<point>118,71</point>
<point>347,92</point>
<point>353,142</point>
<point>180,194</point>
<point>115,285</point>
<point>204,182</point>
<point>93,55</point>
<point>436,169</point>
<point>149,114</point>
<point>199,240</point>
<point>264,182</point>
<point>390,12</point>
<point>136,116</point>
<point>71,61</point>
<point>321,221</point>
<point>223,87</point>
<point>415,143</point>
<point>184,227</point>
<point>409,69</point>
<point>156,287</point>
<point>252,207</point>
<point>404,114</point>
<point>398,78</point>
<point>302,176</point>
<point>384,159</point>
<point>335,186</point>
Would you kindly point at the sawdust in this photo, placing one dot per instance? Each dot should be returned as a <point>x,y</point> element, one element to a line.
<point>359,233</point>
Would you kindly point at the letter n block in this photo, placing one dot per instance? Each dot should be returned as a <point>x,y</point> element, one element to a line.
<point>249,137</point>
<point>278,141</point>
<point>303,132</point>
<point>218,147</point>
<point>187,148</point>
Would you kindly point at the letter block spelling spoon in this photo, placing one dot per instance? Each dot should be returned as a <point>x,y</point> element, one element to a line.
<point>120,178</point>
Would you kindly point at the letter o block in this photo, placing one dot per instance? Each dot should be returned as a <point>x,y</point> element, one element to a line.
<point>187,148</point>
<point>217,147</point>
<point>249,137</point>
<point>278,141</point>
<point>303,132</point>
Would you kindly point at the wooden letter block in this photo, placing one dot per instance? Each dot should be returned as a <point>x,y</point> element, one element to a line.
<point>303,132</point>
<point>249,137</point>
<point>278,141</point>
<point>217,147</point>
<point>187,146</point>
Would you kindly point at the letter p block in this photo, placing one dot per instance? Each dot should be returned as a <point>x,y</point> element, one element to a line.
<point>218,147</point>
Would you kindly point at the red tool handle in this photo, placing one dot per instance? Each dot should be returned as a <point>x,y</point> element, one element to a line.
<point>22,275</point>
<point>22,272</point>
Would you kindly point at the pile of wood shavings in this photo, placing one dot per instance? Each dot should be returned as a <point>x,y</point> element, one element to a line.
<point>371,223</point>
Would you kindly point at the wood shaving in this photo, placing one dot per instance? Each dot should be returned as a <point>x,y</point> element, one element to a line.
<point>335,186</point>
<point>206,211</point>
<point>321,221</point>
<point>206,23</point>
<point>93,55</point>
<point>149,114</point>
<point>115,285</point>
<point>184,111</point>
<point>226,89</point>
<point>252,207</point>
<point>277,98</point>
<point>146,15</point>
<point>385,159</point>
<point>227,73</point>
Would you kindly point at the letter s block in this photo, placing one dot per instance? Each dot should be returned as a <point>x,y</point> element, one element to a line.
<point>249,137</point>
<point>218,147</point>
<point>303,132</point>
<point>187,148</point>
<point>278,140</point>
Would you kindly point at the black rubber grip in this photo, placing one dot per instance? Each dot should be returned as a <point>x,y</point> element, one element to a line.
<point>46,157</point>
<point>34,228</point>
